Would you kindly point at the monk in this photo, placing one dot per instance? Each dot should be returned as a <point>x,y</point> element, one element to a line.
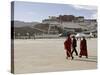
<point>67,45</point>
<point>83,48</point>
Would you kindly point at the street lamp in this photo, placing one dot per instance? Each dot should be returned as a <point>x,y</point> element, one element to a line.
<point>28,35</point>
<point>18,35</point>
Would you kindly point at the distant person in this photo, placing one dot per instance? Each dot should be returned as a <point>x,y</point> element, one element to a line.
<point>34,36</point>
<point>74,45</point>
<point>83,48</point>
<point>67,45</point>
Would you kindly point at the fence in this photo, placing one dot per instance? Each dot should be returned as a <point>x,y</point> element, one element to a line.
<point>37,36</point>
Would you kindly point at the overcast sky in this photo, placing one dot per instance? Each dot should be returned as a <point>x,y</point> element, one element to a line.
<point>30,11</point>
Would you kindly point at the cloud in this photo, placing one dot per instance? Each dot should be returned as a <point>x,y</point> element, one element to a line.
<point>91,9</point>
<point>94,16</point>
<point>86,7</point>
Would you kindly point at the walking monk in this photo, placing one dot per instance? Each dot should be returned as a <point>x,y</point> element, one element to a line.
<point>67,45</point>
<point>83,48</point>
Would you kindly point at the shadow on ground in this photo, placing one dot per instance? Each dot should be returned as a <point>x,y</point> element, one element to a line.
<point>89,59</point>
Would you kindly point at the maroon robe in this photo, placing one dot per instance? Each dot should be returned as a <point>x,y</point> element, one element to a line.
<point>83,48</point>
<point>67,45</point>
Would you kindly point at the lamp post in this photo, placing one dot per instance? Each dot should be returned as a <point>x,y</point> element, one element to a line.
<point>18,35</point>
<point>34,36</point>
<point>28,35</point>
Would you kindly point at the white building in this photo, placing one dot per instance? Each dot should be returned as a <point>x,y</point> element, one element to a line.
<point>81,23</point>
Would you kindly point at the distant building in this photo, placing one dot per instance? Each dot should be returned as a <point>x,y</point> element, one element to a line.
<point>71,23</point>
<point>53,23</point>
<point>79,19</point>
<point>66,18</point>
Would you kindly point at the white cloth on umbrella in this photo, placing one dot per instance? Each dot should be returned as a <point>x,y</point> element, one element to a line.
<point>80,35</point>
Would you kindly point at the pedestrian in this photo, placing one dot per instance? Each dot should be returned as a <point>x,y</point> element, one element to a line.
<point>83,48</point>
<point>67,45</point>
<point>74,45</point>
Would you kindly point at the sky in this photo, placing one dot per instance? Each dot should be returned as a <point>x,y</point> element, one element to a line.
<point>36,12</point>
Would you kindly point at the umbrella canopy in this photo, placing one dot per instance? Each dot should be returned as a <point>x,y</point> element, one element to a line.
<point>80,35</point>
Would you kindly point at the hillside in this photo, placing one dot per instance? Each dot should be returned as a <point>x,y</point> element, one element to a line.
<point>23,24</point>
